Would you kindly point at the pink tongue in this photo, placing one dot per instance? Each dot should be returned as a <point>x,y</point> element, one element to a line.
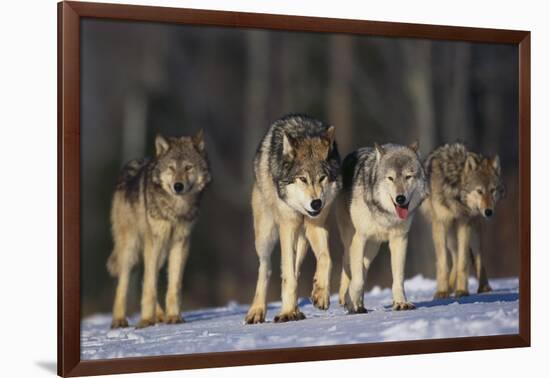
<point>402,212</point>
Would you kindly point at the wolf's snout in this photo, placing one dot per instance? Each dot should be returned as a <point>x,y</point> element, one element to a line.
<point>316,204</point>
<point>400,199</point>
<point>178,187</point>
<point>488,213</point>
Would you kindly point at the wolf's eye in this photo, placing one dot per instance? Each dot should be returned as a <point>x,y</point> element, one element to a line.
<point>480,191</point>
<point>408,177</point>
<point>303,179</point>
<point>188,168</point>
<point>322,178</point>
<point>390,178</point>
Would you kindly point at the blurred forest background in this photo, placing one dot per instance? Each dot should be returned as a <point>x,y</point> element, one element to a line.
<point>140,79</point>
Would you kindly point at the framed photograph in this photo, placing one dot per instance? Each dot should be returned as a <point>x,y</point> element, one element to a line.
<point>239,188</point>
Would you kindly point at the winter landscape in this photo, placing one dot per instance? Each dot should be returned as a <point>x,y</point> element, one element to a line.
<point>222,329</point>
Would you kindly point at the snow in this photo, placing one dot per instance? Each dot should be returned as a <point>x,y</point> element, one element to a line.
<point>222,329</point>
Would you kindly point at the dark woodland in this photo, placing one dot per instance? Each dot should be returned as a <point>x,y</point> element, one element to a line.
<point>140,79</point>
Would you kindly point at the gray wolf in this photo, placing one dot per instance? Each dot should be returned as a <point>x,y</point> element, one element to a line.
<point>382,188</point>
<point>465,187</point>
<point>296,178</point>
<point>154,208</point>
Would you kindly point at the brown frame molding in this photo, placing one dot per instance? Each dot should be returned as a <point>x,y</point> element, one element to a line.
<point>69,15</point>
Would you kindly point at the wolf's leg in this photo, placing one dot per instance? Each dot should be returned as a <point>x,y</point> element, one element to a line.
<point>288,233</point>
<point>344,279</point>
<point>160,316</point>
<point>346,231</point>
<point>177,257</point>
<point>123,253</point>
<point>317,234</point>
<point>371,251</point>
<point>159,313</point>
<point>464,231</point>
<point>153,244</point>
<point>372,247</point>
<point>398,250</point>
<point>119,306</point>
<point>439,232</point>
<point>475,254</point>
<point>452,244</point>
<point>265,238</point>
<point>301,250</point>
<point>356,287</point>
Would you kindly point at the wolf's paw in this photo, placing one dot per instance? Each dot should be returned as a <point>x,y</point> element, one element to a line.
<point>174,319</point>
<point>441,295</point>
<point>255,315</point>
<point>461,293</point>
<point>143,323</point>
<point>320,297</point>
<point>403,306</point>
<point>119,323</point>
<point>356,310</point>
<point>289,316</point>
<point>342,300</point>
<point>484,289</point>
<point>159,315</point>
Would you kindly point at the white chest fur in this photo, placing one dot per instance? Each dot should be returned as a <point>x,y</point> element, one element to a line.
<point>375,226</point>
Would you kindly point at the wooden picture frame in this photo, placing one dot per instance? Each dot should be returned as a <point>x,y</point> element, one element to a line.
<point>69,18</point>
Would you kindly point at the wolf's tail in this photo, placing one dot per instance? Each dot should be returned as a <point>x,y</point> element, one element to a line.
<point>112,264</point>
<point>130,174</point>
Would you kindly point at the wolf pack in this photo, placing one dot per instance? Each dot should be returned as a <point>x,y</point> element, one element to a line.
<point>299,183</point>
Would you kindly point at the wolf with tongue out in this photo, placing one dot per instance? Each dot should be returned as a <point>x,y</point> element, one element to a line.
<point>382,188</point>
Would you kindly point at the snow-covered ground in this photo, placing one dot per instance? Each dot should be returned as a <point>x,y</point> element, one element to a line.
<point>222,329</point>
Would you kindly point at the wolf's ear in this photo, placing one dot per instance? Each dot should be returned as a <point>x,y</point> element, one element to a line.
<point>198,140</point>
<point>288,147</point>
<point>414,146</point>
<point>331,133</point>
<point>328,140</point>
<point>495,163</point>
<point>502,190</point>
<point>161,145</point>
<point>471,163</point>
<point>379,151</point>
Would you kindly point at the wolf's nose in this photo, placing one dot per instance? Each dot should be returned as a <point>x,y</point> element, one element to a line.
<point>316,204</point>
<point>488,213</point>
<point>400,199</point>
<point>178,187</point>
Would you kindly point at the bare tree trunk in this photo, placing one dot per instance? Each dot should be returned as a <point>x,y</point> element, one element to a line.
<point>296,95</point>
<point>339,89</point>
<point>489,132</point>
<point>456,123</point>
<point>257,90</point>
<point>134,126</point>
<point>418,85</point>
